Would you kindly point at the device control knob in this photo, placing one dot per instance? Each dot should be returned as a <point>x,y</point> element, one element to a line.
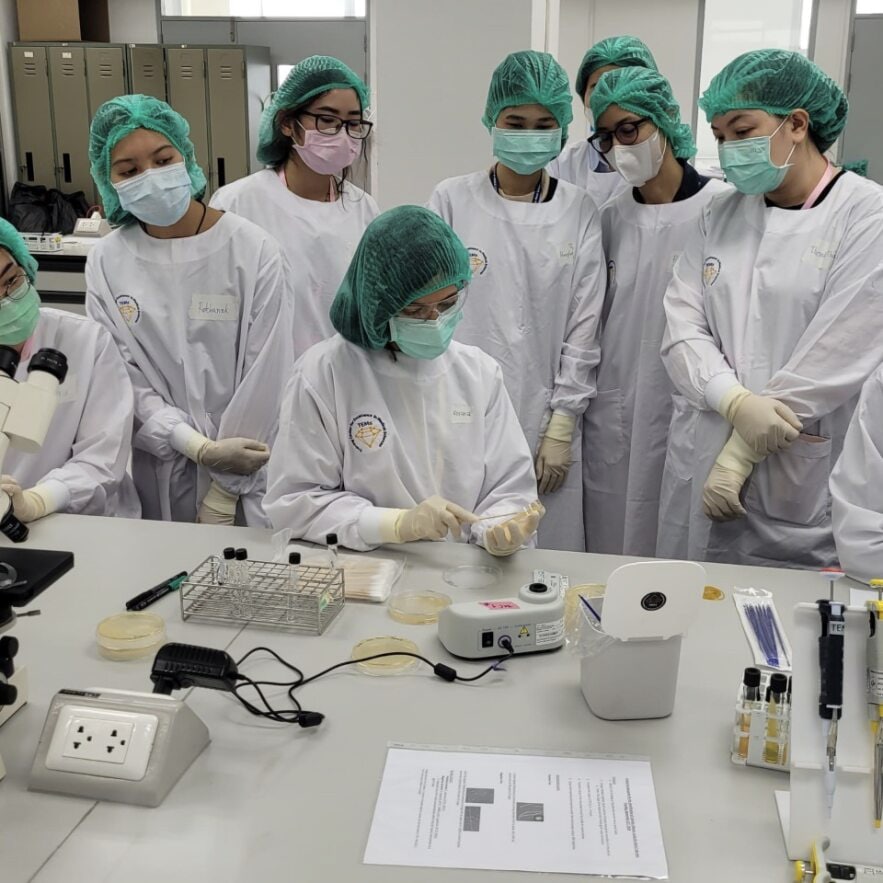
<point>8,647</point>
<point>8,693</point>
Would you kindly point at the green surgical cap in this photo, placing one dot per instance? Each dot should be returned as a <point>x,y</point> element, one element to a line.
<point>405,253</point>
<point>529,78</point>
<point>119,117</point>
<point>779,81</point>
<point>648,94</point>
<point>11,240</point>
<point>311,77</point>
<point>622,51</point>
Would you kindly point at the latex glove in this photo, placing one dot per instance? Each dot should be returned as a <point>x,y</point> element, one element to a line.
<point>240,455</point>
<point>554,456</point>
<point>27,505</point>
<point>217,507</point>
<point>511,535</point>
<point>720,495</point>
<point>433,519</point>
<point>766,424</point>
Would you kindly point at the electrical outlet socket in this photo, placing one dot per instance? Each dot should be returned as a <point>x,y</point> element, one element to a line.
<point>116,745</point>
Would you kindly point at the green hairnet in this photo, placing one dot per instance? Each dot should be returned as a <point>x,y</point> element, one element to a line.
<point>779,81</point>
<point>121,116</point>
<point>405,253</point>
<point>648,94</point>
<point>11,240</point>
<point>311,77</point>
<point>529,77</point>
<point>857,167</point>
<point>622,51</point>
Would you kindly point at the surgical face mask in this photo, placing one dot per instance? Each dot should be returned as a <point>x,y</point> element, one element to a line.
<point>748,164</point>
<point>328,154</point>
<point>638,163</point>
<point>19,313</point>
<point>526,151</point>
<point>425,338</point>
<point>159,196</point>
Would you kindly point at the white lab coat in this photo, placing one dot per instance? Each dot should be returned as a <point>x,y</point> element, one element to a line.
<point>856,483</point>
<point>789,304</point>
<point>579,163</point>
<point>204,326</point>
<point>318,240</point>
<point>626,428</point>
<point>534,304</point>
<point>86,450</point>
<point>360,429</point>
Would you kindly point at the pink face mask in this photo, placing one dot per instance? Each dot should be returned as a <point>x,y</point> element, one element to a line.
<point>328,154</point>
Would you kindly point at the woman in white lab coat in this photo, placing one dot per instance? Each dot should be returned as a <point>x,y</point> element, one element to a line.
<point>857,487</point>
<point>81,466</point>
<point>538,277</point>
<point>580,163</point>
<point>638,128</point>
<point>775,320</point>
<point>389,432</point>
<point>311,133</point>
<point>200,308</point>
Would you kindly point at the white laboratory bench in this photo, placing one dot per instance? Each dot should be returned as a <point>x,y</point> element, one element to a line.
<point>272,802</point>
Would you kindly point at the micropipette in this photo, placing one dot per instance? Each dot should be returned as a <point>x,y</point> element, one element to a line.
<point>831,687</point>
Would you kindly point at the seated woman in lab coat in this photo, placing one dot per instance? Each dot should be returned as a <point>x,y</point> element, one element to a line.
<point>857,487</point>
<point>199,306</point>
<point>390,432</point>
<point>81,467</point>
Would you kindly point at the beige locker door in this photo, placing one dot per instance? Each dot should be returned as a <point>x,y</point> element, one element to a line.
<point>185,70</point>
<point>33,116</point>
<point>147,68</point>
<point>105,74</point>
<point>70,113</point>
<point>228,114</point>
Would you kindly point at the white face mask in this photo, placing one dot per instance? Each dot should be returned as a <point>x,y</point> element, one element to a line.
<point>638,163</point>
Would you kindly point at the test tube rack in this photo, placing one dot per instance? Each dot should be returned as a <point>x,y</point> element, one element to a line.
<point>759,738</point>
<point>268,600</point>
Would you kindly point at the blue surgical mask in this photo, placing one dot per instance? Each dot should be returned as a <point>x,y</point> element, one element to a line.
<point>19,314</point>
<point>425,338</point>
<point>748,164</point>
<point>526,151</point>
<point>159,197</point>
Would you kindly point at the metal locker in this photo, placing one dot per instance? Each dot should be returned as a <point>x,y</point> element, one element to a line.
<point>70,115</point>
<point>33,116</point>
<point>147,70</point>
<point>185,69</point>
<point>228,118</point>
<point>105,74</point>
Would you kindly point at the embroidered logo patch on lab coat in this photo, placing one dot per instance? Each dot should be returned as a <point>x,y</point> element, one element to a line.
<point>129,309</point>
<point>477,261</point>
<point>710,271</point>
<point>820,254</point>
<point>215,307</point>
<point>461,414</point>
<point>367,432</point>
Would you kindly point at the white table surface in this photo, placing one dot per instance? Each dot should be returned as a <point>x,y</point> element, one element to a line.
<point>271,802</point>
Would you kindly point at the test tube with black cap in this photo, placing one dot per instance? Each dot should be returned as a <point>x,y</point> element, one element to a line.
<point>224,567</point>
<point>333,558</point>
<point>750,698</point>
<point>242,575</point>
<point>293,571</point>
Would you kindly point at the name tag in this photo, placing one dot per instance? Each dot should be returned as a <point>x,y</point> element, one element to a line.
<point>820,255</point>
<point>461,414</point>
<point>215,307</point>
<point>566,254</point>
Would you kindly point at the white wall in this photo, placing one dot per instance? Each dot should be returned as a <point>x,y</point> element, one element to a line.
<point>832,38</point>
<point>132,21</point>
<point>8,32</point>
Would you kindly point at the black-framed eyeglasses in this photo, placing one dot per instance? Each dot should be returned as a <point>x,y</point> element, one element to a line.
<point>433,311</point>
<point>625,132</point>
<point>326,124</point>
<point>14,288</point>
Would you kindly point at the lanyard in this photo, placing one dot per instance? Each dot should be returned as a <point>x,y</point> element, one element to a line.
<point>280,173</point>
<point>537,191</point>
<point>820,187</point>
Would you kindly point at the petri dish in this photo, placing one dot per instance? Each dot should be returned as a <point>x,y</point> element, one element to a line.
<point>130,636</point>
<point>417,607</point>
<point>388,665</point>
<point>472,576</point>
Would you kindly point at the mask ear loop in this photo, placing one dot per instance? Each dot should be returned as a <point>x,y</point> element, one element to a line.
<point>787,162</point>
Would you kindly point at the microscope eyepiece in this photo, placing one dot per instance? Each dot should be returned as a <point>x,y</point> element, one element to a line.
<point>9,360</point>
<point>51,361</point>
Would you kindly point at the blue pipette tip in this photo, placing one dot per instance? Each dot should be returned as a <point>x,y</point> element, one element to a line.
<point>590,608</point>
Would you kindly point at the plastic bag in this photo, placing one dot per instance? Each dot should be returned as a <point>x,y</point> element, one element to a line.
<point>37,209</point>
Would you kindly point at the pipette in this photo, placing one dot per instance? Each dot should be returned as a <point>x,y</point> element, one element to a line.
<point>875,693</point>
<point>831,687</point>
<point>832,574</point>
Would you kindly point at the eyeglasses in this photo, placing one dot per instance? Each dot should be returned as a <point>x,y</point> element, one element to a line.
<point>433,311</point>
<point>331,125</point>
<point>625,132</point>
<point>15,288</point>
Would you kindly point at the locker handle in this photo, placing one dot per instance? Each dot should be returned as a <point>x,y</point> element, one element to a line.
<point>222,173</point>
<point>66,159</point>
<point>29,165</point>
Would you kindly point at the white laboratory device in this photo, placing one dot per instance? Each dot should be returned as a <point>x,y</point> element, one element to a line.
<point>532,621</point>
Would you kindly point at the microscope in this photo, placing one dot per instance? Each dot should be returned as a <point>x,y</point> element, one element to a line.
<point>26,410</point>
